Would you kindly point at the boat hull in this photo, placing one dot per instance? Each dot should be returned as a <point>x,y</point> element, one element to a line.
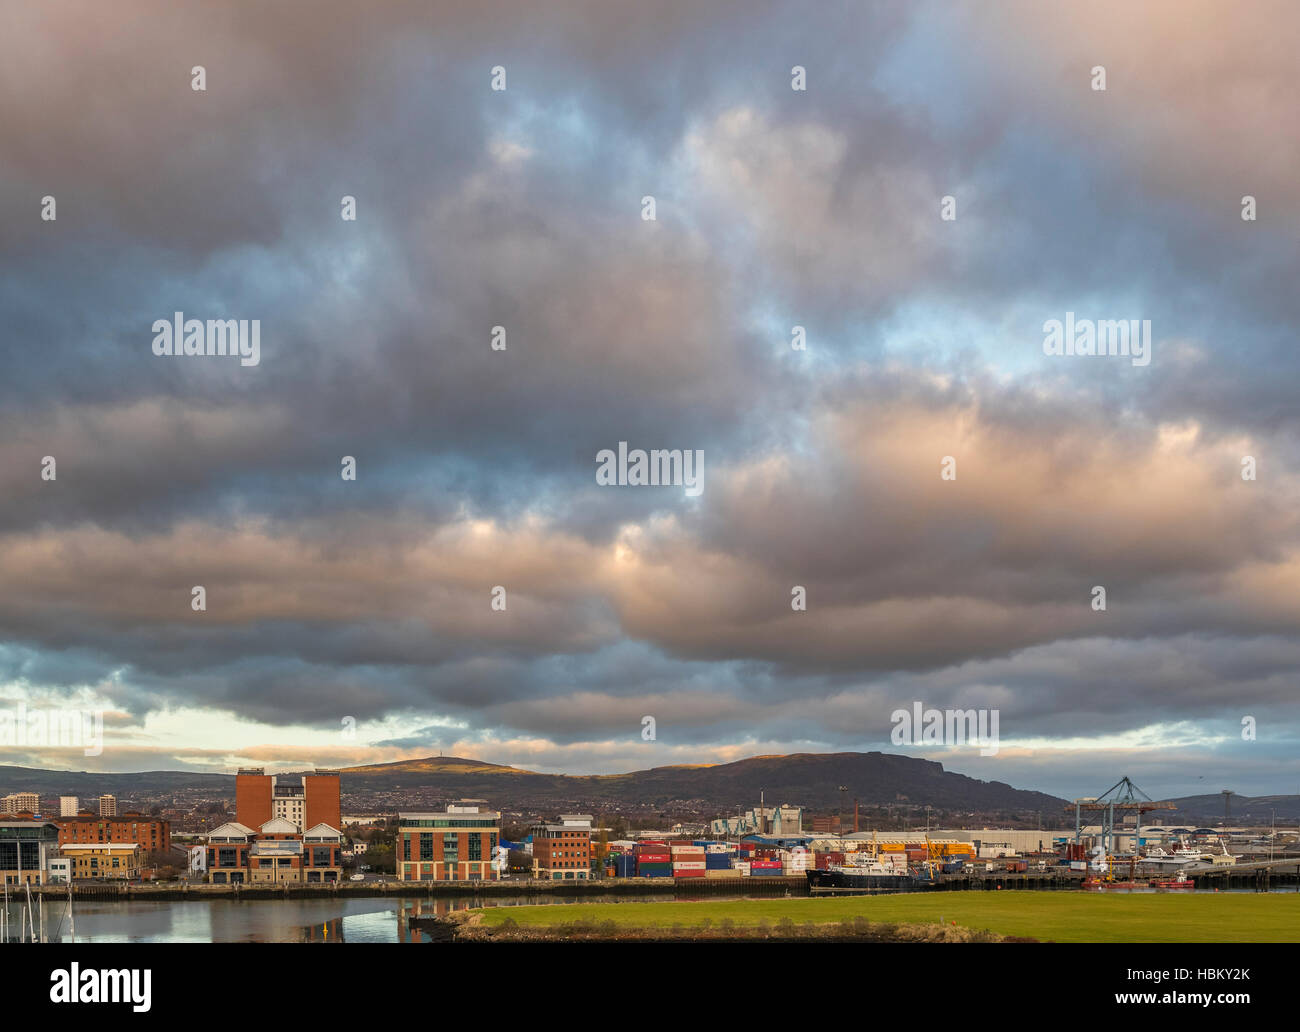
<point>863,882</point>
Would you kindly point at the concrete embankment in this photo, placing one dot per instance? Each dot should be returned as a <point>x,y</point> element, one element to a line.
<point>522,887</point>
<point>528,887</point>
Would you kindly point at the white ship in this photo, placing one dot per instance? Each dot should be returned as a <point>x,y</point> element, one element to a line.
<point>1179,858</point>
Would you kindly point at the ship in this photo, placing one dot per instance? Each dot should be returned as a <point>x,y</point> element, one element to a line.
<point>863,876</point>
<point>1157,857</point>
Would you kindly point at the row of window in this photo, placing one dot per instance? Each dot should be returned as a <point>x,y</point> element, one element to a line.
<point>450,846</point>
<point>321,856</point>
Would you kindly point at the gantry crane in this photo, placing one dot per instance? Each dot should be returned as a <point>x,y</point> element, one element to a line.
<point>1121,798</point>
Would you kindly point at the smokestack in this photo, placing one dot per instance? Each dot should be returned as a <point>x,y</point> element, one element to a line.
<point>855,816</point>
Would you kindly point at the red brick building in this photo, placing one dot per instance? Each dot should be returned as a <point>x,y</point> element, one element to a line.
<point>152,834</point>
<point>275,853</point>
<point>304,799</point>
<point>562,852</point>
<point>456,844</point>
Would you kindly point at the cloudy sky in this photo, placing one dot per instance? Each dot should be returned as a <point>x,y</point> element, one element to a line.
<point>351,621</point>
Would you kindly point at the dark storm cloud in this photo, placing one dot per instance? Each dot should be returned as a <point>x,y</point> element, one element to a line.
<point>476,209</point>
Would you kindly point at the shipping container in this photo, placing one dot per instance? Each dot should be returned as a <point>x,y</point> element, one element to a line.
<point>624,866</point>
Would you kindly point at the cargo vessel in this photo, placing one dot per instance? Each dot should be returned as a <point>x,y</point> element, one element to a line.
<point>865,876</point>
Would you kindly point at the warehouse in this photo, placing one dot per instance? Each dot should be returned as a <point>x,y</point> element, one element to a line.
<point>1008,841</point>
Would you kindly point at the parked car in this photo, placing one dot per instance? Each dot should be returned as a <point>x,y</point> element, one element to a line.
<point>357,877</point>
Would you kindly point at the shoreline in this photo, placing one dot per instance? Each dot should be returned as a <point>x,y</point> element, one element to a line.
<point>523,887</point>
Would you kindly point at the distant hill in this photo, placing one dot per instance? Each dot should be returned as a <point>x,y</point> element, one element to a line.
<point>434,765</point>
<point>91,785</point>
<point>811,780</point>
<point>1244,809</point>
<point>808,779</point>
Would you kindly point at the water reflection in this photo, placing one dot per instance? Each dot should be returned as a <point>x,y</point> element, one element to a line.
<point>282,920</point>
<point>279,920</point>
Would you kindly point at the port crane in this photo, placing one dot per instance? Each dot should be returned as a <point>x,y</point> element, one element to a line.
<point>1115,804</point>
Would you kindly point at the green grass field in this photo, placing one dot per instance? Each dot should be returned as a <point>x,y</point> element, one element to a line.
<point>1057,916</point>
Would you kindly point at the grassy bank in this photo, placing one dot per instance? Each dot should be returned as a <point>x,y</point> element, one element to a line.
<point>1057,916</point>
<point>471,928</point>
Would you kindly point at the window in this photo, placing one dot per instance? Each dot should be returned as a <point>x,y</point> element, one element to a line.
<point>406,847</point>
<point>426,846</point>
<point>475,847</point>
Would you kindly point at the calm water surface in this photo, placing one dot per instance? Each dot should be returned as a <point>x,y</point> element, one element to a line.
<point>279,920</point>
<point>286,920</point>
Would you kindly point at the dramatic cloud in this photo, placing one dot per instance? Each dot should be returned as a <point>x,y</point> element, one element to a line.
<point>372,600</point>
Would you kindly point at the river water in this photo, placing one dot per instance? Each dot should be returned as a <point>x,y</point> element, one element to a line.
<point>380,919</point>
<point>385,919</point>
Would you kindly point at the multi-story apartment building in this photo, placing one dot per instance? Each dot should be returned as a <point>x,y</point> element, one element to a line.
<point>562,852</point>
<point>456,844</point>
<point>306,800</point>
<point>152,834</point>
<point>26,849</point>
<point>69,805</point>
<point>104,860</point>
<point>20,802</point>
<point>275,853</point>
<point>108,806</point>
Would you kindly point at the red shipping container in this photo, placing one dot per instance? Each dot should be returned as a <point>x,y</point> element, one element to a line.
<point>654,858</point>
